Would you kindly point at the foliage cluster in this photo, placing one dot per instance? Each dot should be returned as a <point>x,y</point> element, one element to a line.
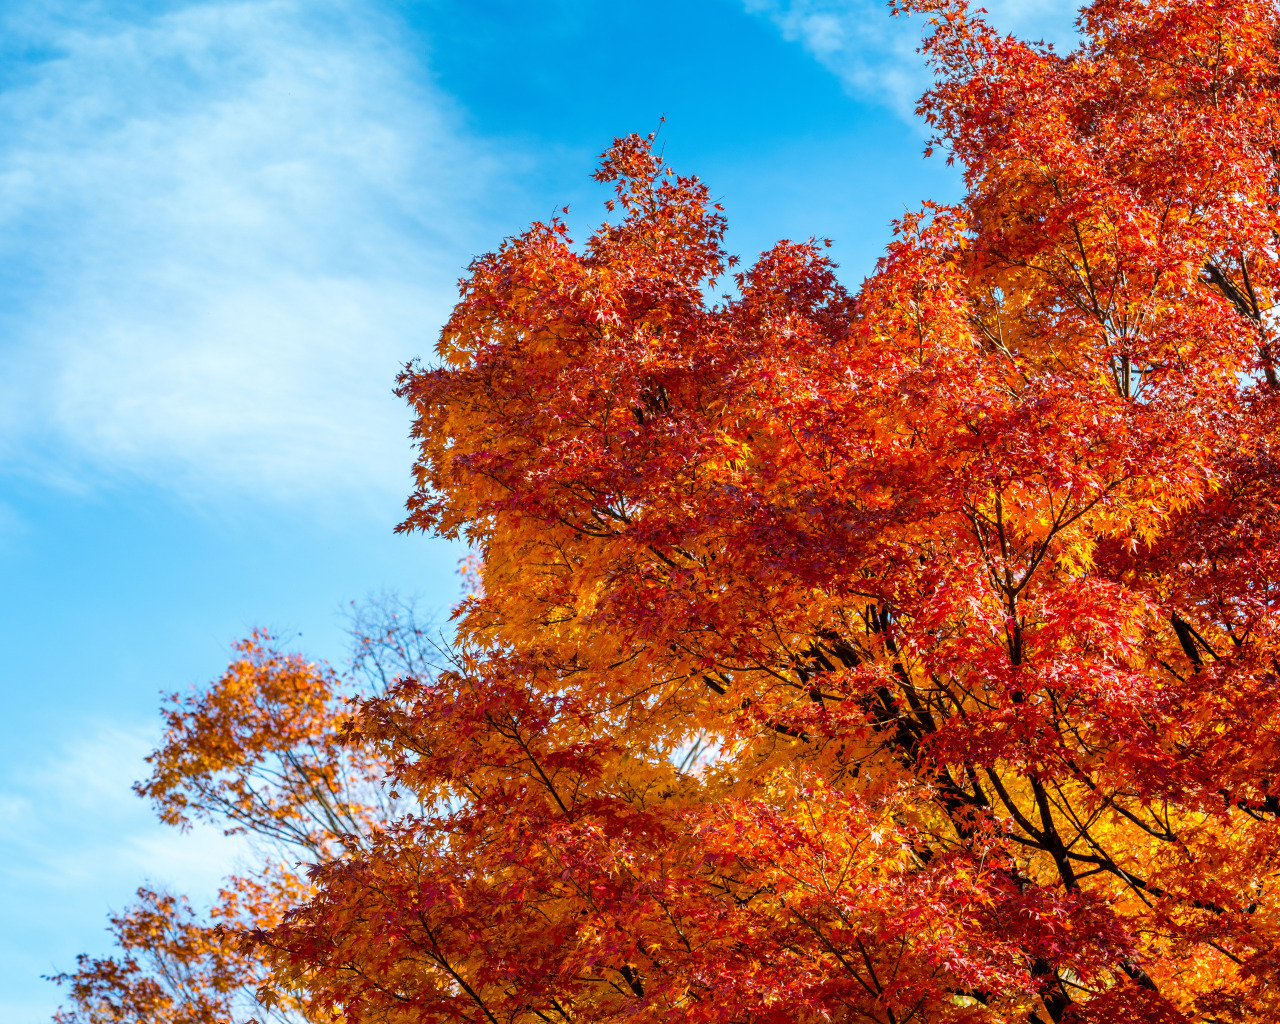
<point>906,655</point>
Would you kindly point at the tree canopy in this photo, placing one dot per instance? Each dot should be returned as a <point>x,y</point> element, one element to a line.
<point>899,655</point>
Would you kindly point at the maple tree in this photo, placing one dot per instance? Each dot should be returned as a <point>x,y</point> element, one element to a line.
<point>899,655</point>
<point>258,752</point>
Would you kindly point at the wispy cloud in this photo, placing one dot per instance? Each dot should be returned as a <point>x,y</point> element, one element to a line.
<point>874,54</point>
<point>78,812</point>
<point>74,843</point>
<point>225,225</point>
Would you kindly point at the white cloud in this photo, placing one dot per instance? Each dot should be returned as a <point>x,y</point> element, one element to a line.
<point>73,824</point>
<point>874,54</point>
<point>75,843</point>
<point>226,225</point>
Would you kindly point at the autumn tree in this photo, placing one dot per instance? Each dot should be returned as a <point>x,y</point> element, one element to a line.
<point>258,753</point>
<point>906,655</point>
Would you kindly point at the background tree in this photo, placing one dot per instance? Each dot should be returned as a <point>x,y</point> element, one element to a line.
<point>259,753</point>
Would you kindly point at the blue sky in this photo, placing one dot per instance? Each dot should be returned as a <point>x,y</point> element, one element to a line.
<point>223,227</point>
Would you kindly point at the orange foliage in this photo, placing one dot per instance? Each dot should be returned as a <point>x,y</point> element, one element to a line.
<point>906,656</point>
<point>259,752</point>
